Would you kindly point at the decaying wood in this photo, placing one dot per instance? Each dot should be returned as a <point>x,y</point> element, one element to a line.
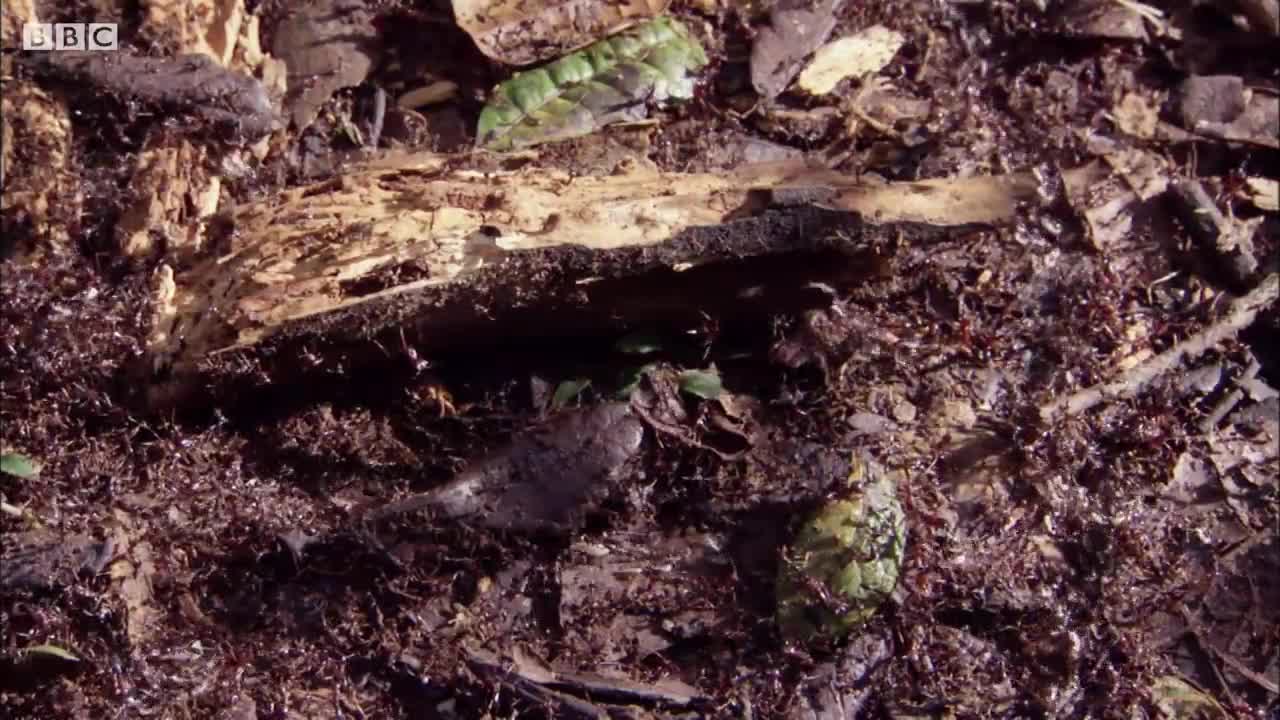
<point>442,253</point>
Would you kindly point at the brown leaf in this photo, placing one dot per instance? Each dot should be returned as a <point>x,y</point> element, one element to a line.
<point>517,32</point>
<point>797,28</point>
<point>327,46</point>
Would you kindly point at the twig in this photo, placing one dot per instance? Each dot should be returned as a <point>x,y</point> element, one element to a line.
<point>1240,315</point>
<point>1218,236</point>
<point>1193,627</point>
<point>1233,398</point>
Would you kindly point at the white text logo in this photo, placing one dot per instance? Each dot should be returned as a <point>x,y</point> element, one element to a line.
<point>69,36</point>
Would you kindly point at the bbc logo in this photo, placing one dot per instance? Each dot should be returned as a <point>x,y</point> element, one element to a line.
<point>70,36</point>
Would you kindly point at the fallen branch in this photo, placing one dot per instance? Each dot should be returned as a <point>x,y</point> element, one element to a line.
<point>212,98</point>
<point>1233,398</point>
<point>1229,244</point>
<point>441,254</point>
<point>1239,316</point>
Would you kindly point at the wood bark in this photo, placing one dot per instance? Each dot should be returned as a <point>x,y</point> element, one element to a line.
<point>419,251</point>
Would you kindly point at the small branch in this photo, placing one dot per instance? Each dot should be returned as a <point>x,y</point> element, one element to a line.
<point>1226,241</point>
<point>1240,315</point>
<point>1229,402</point>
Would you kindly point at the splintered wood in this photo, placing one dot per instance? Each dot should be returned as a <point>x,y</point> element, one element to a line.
<point>402,225</point>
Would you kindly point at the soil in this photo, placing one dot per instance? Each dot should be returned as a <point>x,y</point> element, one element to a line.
<point>214,561</point>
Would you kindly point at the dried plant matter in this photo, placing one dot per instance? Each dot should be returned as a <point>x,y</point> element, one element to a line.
<point>520,33</point>
<point>544,479</point>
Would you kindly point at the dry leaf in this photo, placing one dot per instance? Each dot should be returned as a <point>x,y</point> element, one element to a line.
<point>517,32</point>
<point>863,53</point>
<point>1264,193</point>
<point>796,28</point>
<point>1135,116</point>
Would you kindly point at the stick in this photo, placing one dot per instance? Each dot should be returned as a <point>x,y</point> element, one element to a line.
<point>1240,315</point>
<point>1215,234</point>
<point>1233,398</point>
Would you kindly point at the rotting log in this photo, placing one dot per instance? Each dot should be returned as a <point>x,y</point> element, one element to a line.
<point>437,254</point>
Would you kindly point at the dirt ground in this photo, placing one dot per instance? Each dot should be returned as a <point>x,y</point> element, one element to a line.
<point>1066,558</point>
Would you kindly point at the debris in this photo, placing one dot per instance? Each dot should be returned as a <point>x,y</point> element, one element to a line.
<point>796,28</point>
<point>327,46</point>
<point>18,465</point>
<point>218,103</point>
<point>43,559</point>
<point>860,54</point>
<point>1264,15</point>
<point>656,588</point>
<point>568,390</point>
<point>131,576</point>
<point>381,235</point>
<point>544,480</point>
<point>1220,106</point>
<point>1229,242</point>
<point>206,27</point>
<point>845,560</point>
<point>941,201</point>
<point>838,690</point>
<point>1178,700</point>
<point>174,196</point>
<point>1135,115</point>
<point>436,92</point>
<point>1193,481</point>
<point>1114,19</point>
<point>32,667</point>
<point>40,195</point>
<point>1108,193</point>
<point>611,81</point>
<point>1239,316</point>
<point>522,33</point>
<point>565,691</point>
<point>1264,193</point>
<point>701,383</point>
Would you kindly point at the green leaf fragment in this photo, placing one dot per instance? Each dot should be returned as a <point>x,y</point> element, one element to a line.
<point>701,383</point>
<point>19,465</point>
<point>845,560</point>
<point>607,82</point>
<point>568,390</point>
<point>630,380</point>
<point>1177,699</point>
<point>639,343</point>
<point>52,651</point>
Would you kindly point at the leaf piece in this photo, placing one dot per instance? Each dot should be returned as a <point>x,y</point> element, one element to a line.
<point>545,480</point>
<point>845,560</point>
<point>864,53</point>
<point>568,390</point>
<point>639,343</point>
<point>517,32</point>
<point>610,81</point>
<point>19,465</point>
<point>796,28</point>
<point>701,383</point>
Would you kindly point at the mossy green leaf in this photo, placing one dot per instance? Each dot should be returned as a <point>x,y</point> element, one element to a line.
<point>19,465</point>
<point>845,560</point>
<point>607,82</point>
<point>568,390</point>
<point>639,343</point>
<point>50,651</point>
<point>701,383</point>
